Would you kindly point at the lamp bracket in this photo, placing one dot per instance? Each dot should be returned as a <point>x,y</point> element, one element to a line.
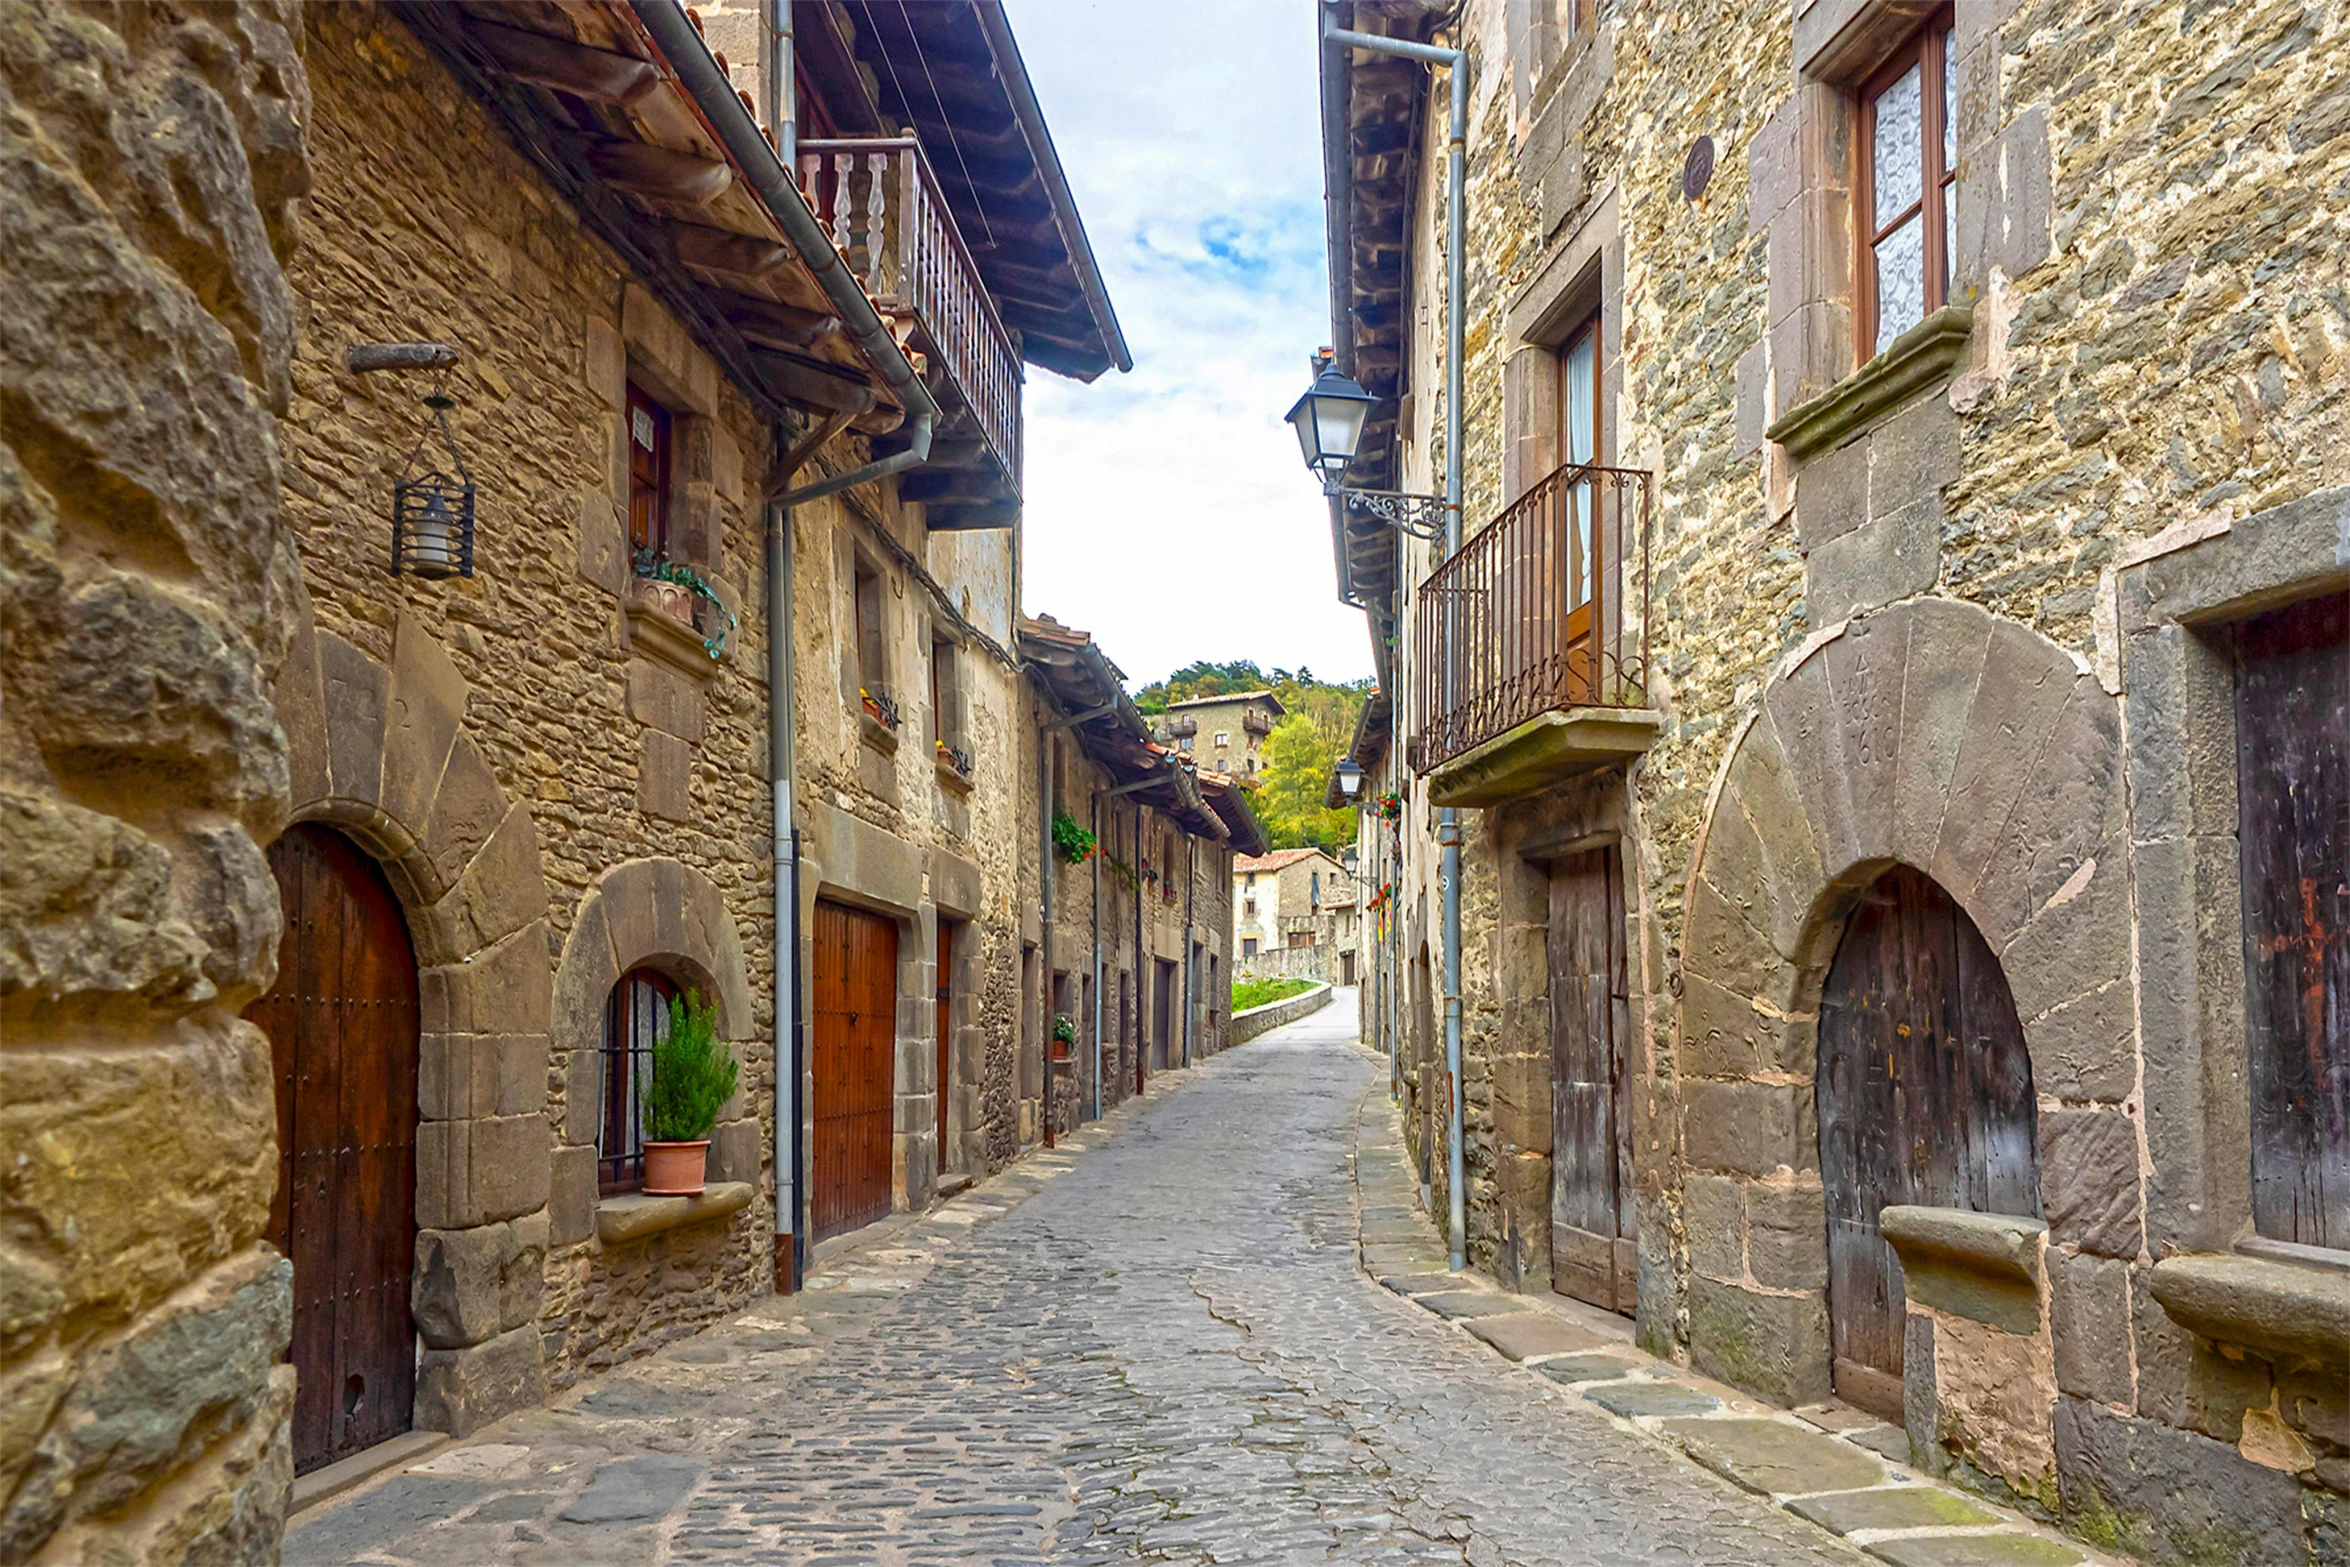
<point>1421,516</point>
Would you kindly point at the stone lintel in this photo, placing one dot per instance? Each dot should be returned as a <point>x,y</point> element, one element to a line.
<point>2278,1308</point>
<point>1920,357</point>
<point>635,1215</point>
<point>1544,750</point>
<point>1982,1266</point>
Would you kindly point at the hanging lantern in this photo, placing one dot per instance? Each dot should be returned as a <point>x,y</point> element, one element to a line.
<point>432,509</point>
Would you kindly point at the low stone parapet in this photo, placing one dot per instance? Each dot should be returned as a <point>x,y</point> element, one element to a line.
<point>1259,1020</point>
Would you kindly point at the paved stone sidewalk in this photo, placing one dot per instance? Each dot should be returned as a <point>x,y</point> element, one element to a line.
<point>1157,1344</point>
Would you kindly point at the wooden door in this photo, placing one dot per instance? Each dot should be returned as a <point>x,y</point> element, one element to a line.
<point>1925,1097</point>
<point>342,1027</point>
<point>945,1031</point>
<point>1593,1252</point>
<point>853,1063</point>
<point>2293,794</point>
<point>1163,1017</point>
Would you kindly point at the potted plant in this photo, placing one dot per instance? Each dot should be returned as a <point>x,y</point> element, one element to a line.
<point>693,1076</point>
<point>1064,1036</point>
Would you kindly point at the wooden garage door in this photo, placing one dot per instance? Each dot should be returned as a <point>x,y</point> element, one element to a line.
<point>853,1062</point>
<point>1925,1097</point>
<point>342,1030</point>
<point>1593,1253</point>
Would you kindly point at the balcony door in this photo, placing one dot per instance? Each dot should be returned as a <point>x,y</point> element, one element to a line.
<point>1578,511</point>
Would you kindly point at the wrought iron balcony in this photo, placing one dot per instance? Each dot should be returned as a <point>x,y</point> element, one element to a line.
<point>880,201</point>
<point>1530,646</point>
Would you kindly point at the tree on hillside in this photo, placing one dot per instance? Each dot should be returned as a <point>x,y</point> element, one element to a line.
<point>1298,759</point>
<point>1204,678</point>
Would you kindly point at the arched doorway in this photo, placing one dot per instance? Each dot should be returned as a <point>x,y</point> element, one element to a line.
<point>342,1027</point>
<point>1925,1097</point>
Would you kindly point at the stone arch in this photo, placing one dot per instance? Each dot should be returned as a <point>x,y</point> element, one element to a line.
<point>1931,734</point>
<point>665,913</point>
<point>379,752</point>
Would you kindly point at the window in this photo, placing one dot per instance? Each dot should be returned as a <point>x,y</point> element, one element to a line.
<point>1301,938</point>
<point>870,668</point>
<point>1250,879</point>
<point>635,1019</point>
<point>648,475</point>
<point>2293,800</point>
<point>1904,215</point>
<point>1248,946</point>
<point>1223,737</point>
<point>946,709</point>
<point>1578,446</point>
<point>1314,891</point>
<point>1187,742</point>
<point>1249,908</point>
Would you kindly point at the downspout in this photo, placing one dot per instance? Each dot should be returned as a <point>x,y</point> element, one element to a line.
<point>1448,823</point>
<point>789,1232</point>
<point>1093,824</point>
<point>779,83</point>
<point>1190,955</point>
<point>1047,874</point>
<point>1144,977</point>
<point>685,53</point>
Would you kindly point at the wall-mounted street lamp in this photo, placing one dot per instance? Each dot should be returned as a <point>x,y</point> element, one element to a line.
<point>1349,773</point>
<point>1329,422</point>
<point>432,506</point>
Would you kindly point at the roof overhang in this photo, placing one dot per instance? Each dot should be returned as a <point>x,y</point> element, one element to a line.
<point>1082,682</point>
<point>954,73</point>
<point>585,93</point>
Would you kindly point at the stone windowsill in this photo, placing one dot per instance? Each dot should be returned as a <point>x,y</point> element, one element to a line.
<point>1981,1266</point>
<point>1925,354</point>
<point>2262,1303</point>
<point>634,1215</point>
<point>658,634</point>
<point>1542,751</point>
<point>952,777</point>
<point>875,733</point>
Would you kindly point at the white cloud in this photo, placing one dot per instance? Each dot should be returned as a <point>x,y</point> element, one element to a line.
<point>1167,511</point>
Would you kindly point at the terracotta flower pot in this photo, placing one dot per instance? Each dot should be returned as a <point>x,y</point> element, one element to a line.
<point>676,1169</point>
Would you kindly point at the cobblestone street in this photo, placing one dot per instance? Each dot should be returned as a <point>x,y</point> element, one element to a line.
<point>1156,1345</point>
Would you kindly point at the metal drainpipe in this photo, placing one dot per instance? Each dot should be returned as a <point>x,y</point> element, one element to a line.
<point>1093,813</point>
<point>1448,825</point>
<point>1141,964</point>
<point>1190,892</point>
<point>788,1229</point>
<point>779,92</point>
<point>1047,874</point>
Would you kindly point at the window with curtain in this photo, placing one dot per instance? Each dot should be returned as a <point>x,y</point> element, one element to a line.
<point>1905,213</point>
<point>635,1019</point>
<point>1579,446</point>
<point>648,475</point>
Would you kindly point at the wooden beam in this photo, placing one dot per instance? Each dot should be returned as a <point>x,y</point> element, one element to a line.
<point>642,169</point>
<point>597,75</point>
<point>803,382</point>
<point>964,519</point>
<point>727,254</point>
<point>954,486</point>
<point>772,325</point>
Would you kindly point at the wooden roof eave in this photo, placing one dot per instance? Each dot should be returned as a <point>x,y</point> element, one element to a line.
<point>579,89</point>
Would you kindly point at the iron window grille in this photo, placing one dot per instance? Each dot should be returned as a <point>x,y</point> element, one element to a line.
<point>635,1019</point>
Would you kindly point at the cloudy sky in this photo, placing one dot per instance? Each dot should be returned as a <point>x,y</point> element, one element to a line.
<point>1167,511</point>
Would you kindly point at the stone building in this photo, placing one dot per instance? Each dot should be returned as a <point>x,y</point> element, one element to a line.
<point>1901,603</point>
<point>1137,927</point>
<point>1294,916</point>
<point>421,854</point>
<point>1224,734</point>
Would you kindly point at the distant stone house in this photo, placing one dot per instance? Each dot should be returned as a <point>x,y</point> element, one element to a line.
<point>1224,734</point>
<point>1893,688</point>
<point>1294,916</point>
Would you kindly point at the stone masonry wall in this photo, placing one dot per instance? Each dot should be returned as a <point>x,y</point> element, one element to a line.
<point>2154,201</point>
<point>615,756</point>
<point>153,160</point>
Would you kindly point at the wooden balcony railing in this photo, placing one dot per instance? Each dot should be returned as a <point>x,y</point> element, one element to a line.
<point>1530,615</point>
<point>880,201</point>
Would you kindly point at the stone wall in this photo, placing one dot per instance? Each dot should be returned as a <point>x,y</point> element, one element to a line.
<point>2150,354</point>
<point>1263,1020</point>
<point>154,162</point>
<point>543,725</point>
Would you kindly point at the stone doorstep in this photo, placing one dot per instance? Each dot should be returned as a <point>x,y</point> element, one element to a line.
<point>348,1474</point>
